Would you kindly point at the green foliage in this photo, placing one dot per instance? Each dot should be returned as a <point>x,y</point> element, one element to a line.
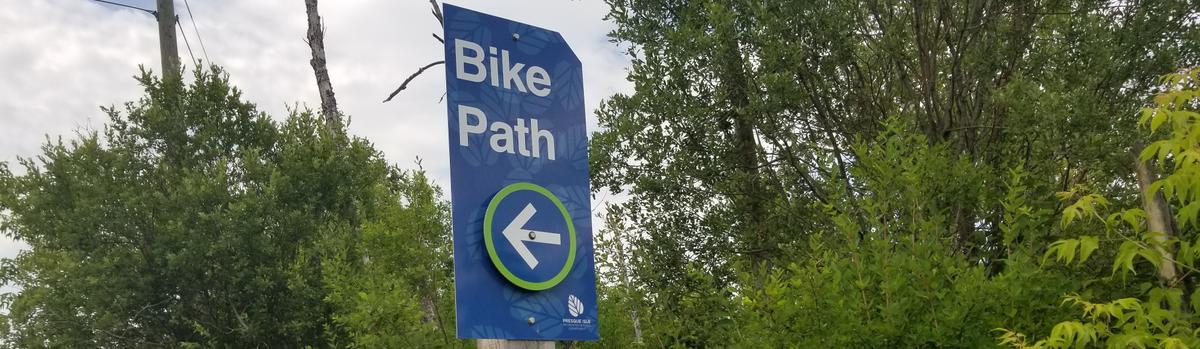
<point>899,281</point>
<point>195,220</point>
<point>1065,249</point>
<point>813,160</point>
<point>904,295</point>
<point>401,295</point>
<point>1162,315</point>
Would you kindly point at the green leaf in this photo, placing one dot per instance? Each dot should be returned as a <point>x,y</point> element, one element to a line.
<point>1125,255</point>
<point>1195,302</point>
<point>1061,250</point>
<point>1069,214</point>
<point>1146,113</point>
<point>1151,255</point>
<point>1157,119</point>
<point>1133,217</point>
<point>1188,215</point>
<point>1087,245</point>
<point>1171,343</point>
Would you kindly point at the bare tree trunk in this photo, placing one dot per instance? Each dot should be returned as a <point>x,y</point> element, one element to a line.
<point>316,42</point>
<point>333,119</point>
<point>637,325</point>
<point>624,270</point>
<point>1158,218</point>
<point>753,198</point>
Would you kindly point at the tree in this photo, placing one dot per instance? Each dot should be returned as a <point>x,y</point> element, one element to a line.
<point>195,220</point>
<point>1162,311</point>
<point>752,141</point>
<point>316,43</point>
<point>403,295</point>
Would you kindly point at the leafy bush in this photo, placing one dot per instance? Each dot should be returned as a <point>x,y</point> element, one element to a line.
<point>1164,311</point>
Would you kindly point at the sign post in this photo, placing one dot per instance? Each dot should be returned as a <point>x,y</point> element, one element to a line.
<point>523,256</point>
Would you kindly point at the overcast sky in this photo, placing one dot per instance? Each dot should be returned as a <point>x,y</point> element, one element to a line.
<point>63,59</point>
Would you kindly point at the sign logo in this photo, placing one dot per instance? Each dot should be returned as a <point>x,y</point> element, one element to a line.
<point>574,306</point>
<point>519,237</point>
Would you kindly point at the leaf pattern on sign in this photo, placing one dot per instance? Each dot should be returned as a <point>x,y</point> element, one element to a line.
<point>475,156</point>
<point>531,164</point>
<point>546,311</point>
<point>584,253</point>
<point>568,82</point>
<point>574,306</point>
<point>576,198</point>
<point>535,106</point>
<point>501,104</point>
<point>467,25</point>
<point>488,332</point>
<point>517,175</point>
<point>532,40</point>
<point>528,164</point>
<point>573,147</point>
<point>475,250</point>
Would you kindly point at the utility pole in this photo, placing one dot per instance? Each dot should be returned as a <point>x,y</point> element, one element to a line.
<point>166,38</point>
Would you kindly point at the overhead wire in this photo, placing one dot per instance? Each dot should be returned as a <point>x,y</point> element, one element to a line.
<point>182,32</point>
<point>185,40</point>
<point>197,30</point>
<point>128,6</point>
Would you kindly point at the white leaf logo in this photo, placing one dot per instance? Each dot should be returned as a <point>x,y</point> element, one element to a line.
<point>574,306</point>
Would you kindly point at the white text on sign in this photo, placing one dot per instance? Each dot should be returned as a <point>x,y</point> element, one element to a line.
<point>537,81</point>
<point>513,139</point>
<point>524,138</point>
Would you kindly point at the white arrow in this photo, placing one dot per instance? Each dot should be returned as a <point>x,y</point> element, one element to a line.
<point>517,235</point>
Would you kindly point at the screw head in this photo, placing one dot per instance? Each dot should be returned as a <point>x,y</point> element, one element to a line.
<point>532,236</point>
<point>516,36</point>
<point>531,321</point>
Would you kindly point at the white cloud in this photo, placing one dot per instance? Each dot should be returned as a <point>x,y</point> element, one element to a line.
<point>62,59</point>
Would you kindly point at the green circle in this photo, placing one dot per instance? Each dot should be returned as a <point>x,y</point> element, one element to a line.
<point>491,247</point>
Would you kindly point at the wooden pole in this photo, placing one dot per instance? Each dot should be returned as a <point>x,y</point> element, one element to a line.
<point>506,344</point>
<point>167,46</point>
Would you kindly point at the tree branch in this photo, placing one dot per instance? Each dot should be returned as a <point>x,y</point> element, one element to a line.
<point>437,12</point>
<point>404,85</point>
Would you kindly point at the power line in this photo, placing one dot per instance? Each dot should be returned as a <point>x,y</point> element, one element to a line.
<point>128,6</point>
<point>185,40</point>
<point>197,30</point>
<point>166,34</point>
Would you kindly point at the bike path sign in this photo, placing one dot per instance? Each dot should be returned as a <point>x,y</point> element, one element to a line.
<point>523,255</point>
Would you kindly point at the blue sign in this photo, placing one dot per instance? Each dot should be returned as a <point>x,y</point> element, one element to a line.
<point>523,265</point>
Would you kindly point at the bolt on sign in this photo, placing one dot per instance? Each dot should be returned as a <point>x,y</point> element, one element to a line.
<point>523,255</point>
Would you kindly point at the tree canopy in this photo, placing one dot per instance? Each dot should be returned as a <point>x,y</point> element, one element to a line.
<point>192,219</point>
<point>869,174</point>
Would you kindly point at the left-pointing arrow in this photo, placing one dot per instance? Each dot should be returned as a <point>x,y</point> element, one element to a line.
<point>518,235</point>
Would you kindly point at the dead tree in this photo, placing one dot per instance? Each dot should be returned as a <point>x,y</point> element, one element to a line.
<point>316,42</point>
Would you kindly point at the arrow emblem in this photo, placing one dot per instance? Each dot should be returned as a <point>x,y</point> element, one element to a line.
<point>518,235</point>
